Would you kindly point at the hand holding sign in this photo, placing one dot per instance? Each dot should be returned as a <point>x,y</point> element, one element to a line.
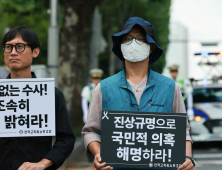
<point>186,165</point>
<point>94,147</point>
<point>100,166</point>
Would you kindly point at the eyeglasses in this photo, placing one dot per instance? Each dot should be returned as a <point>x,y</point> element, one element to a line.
<point>19,47</point>
<point>128,40</point>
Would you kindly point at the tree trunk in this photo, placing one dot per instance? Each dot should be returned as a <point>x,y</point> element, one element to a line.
<point>74,53</point>
<point>111,54</point>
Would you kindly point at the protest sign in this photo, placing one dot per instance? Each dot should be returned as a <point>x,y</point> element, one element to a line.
<point>143,139</point>
<point>27,107</point>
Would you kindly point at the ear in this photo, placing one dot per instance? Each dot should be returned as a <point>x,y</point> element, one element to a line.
<point>35,52</point>
<point>152,47</point>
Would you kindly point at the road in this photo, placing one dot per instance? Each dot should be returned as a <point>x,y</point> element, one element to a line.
<point>208,156</point>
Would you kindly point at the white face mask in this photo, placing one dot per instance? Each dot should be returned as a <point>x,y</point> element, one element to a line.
<point>135,52</point>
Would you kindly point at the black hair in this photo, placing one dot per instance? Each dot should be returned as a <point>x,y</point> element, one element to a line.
<point>27,35</point>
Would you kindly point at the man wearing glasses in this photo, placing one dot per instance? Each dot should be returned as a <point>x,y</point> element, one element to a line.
<point>133,87</point>
<point>21,46</point>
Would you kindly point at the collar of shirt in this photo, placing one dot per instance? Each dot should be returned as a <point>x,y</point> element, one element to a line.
<point>151,80</point>
<point>142,84</point>
<point>33,75</point>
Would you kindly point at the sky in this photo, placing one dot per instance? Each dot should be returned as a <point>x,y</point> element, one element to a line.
<point>203,18</point>
<point>203,21</point>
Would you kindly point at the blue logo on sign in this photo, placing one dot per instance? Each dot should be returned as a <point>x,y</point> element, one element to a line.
<point>151,164</point>
<point>21,132</point>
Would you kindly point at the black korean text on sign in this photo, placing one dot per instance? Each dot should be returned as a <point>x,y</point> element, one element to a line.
<point>22,120</point>
<point>37,89</point>
<point>1,105</point>
<point>27,90</point>
<point>40,90</point>
<point>6,90</point>
<point>13,105</point>
<point>25,120</point>
<point>13,120</point>
<point>24,104</point>
<point>37,120</point>
<point>143,140</point>
<point>10,122</point>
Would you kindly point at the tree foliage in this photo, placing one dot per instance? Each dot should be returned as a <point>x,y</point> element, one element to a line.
<point>32,14</point>
<point>75,35</point>
<point>116,13</point>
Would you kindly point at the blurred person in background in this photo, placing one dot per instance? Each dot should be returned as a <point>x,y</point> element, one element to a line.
<point>135,46</point>
<point>4,71</point>
<point>185,88</point>
<point>174,73</point>
<point>95,77</point>
<point>20,46</point>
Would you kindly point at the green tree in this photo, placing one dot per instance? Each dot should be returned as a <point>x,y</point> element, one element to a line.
<point>75,35</point>
<point>32,14</point>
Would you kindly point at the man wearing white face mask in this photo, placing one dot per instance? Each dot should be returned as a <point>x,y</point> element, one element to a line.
<point>135,49</point>
<point>135,88</point>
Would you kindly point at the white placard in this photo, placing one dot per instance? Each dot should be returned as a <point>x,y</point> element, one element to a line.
<point>27,107</point>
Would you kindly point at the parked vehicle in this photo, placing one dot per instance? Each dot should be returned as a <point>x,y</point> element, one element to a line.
<point>206,123</point>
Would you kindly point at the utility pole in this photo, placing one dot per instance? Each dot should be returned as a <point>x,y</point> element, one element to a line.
<point>53,41</point>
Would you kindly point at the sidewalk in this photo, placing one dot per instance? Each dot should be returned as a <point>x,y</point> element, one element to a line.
<point>77,159</point>
<point>81,163</point>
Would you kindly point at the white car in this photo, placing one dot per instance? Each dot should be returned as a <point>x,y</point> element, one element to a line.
<point>206,124</point>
